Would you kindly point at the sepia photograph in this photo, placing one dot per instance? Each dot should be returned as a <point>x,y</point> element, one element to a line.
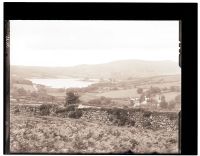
<point>94,86</point>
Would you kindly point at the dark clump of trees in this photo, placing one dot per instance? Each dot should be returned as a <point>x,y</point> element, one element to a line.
<point>147,124</point>
<point>45,109</point>
<point>72,98</point>
<point>155,90</point>
<point>75,114</point>
<point>163,103</point>
<point>71,108</point>
<point>142,98</point>
<point>147,114</point>
<point>120,117</point>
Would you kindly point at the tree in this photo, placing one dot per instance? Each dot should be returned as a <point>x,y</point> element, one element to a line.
<point>139,90</point>
<point>142,98</point>
<point>163,103</point>
<point>155,90</point>
<point>148,93</point>
<point>72,98</point>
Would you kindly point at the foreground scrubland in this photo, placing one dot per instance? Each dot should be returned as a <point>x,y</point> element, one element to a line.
<point>41,134</point>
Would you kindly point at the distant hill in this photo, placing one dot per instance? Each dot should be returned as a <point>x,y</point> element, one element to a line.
<point>117,69</point>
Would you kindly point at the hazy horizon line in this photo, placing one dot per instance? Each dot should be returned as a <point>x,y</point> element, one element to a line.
<point>96,63</point>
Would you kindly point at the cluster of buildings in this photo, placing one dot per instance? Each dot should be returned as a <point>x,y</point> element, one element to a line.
<point>135,101</point>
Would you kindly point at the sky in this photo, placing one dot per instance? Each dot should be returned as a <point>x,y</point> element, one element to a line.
<point>70,43</point>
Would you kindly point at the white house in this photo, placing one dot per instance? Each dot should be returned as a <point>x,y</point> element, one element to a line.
<point>158,99</point>
<point>134,101</point>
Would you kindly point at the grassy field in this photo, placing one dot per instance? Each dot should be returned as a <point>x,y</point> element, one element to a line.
<point>88,96</point>
<point>58,94</point>
<point>161,85</point>
<point>63,135</point>
<point>120,93</point>
<point>110,94</point>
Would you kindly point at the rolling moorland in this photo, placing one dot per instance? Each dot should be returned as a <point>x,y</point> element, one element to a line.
<point>118,69</point>
<point>105,118</point>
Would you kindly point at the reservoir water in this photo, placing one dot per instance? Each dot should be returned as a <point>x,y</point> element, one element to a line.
<point>64,83</point>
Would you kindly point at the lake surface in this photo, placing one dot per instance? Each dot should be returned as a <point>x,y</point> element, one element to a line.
<point>63,83</point>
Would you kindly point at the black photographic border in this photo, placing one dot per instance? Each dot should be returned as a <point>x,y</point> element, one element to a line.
<point>184,12</point>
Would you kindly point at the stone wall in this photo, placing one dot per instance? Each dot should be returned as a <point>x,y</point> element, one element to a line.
<point>115,116</point>
<point>134,117</point>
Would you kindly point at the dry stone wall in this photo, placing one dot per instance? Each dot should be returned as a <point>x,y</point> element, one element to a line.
<point>140,118</point>
<point>115,116</point>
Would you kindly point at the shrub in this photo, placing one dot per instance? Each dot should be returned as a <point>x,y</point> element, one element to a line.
<point>67,109</point>
<point>71,108</point>
<point>147,124</point>
<point>134,143</point>
<point>132,123</point>
<point>142,97</point>
<point>172,141</point>
<point>75,114</point>
<point>61,110</point>
<point>72,98</point>
<point>163,103</point>
<point>155,90</point>
<point>45,109</point>
<point>120,117</point>
<point>147,114</point>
